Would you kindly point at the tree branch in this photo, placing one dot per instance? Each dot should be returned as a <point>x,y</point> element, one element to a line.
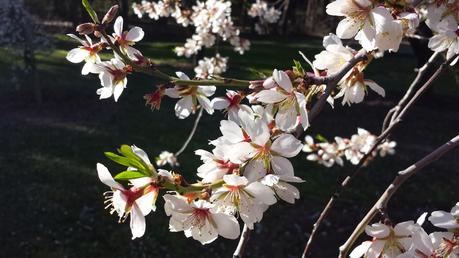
<point>397,119</point>
<point>245,235</point>
<point>190,136</point>
<point>393,187</point>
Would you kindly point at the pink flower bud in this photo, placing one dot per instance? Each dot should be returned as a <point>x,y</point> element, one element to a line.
<point>86,28</point>
<point>110,15</point>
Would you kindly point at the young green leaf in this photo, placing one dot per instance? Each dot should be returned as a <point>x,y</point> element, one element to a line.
<point>298,68</point>
<point>321,138</point>
<point>90,11</point>
<point>118,159</point>
<point>129,174</point>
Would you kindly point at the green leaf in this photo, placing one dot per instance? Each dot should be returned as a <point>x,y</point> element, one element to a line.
<point>118,159</point>
<point>321,138</point>
<point>129,174</point>
<point>298,68</point>
<point>90,11</point>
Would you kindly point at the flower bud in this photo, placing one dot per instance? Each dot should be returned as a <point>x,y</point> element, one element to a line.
<point>110,15</point>
<point>86,28</point>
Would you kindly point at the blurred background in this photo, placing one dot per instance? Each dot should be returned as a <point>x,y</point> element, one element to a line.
<point>53,130</point>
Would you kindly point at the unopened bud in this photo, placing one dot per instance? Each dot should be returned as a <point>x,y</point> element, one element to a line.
<point>86,28</point>
<point>111,14</point>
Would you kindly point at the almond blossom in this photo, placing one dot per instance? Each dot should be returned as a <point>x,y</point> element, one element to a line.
<point>216,164</point>
<point>112,75</point>
<point>447,38</point>
<point>126,39</point>
<point>353,86</point>
<point>199,219</point>
<point>190,96</point>
<point>87,52</point>
<point>291,103</point>
<point>248,199</point>
<point>373,26</point>
<point>436,244</point>
<point>137,201</point>
<point>231,104</point>
<point>387,241</point>
<point>166,157</point>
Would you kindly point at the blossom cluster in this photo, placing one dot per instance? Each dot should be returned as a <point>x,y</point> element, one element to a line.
<point>409,240</point>
<point>442,18</point>
<point>352,149</point>
<point>248,167</point>
<point>212,21</point>
<point>265,15</point>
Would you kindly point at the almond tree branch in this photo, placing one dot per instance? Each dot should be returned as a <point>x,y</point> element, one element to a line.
<point>190,136</point>
<point>245,235</point>
<point>397,119</point>
<point>393,187</point>
<point>422,72</point>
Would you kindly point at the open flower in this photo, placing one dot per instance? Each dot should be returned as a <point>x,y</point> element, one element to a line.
<point>216,164</point>
<point>447,38</point>
<point>199,220</point>
<point>126,39</point>
<point>112,75</point>
<point>373,27</point>
<point>231,103</point>
<point>87,52</point>
<point>249,200</point>
<point>137,201</point>
<point>190,96</point>
<point>387,241</point>
<point>291,103</point>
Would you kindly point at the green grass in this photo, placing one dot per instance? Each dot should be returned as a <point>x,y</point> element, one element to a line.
<point>52,199</point>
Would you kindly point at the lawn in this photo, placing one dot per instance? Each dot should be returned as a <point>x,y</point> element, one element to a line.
<point>52,199</point>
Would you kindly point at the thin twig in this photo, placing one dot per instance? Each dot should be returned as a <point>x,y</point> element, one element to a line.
<point>393,112</point>
<point>190,136</point>
<point>245,235</point>
<point>393,187</point>
<point>363,160</point>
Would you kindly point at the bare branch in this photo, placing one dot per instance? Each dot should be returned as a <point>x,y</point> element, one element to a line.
<point>422,72</point>
<point>245,235</point>
<point>190,136</point>
<point>393,187</point>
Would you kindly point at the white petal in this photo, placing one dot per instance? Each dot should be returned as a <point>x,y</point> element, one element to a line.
<point>377,230</point>
<point>219,103</point>
<point>269,96</point>
<point>231,131</point>
<point>254,170</point>
<point>286,118</point>
<point>287,145</point>
<point>205,103</point>
<point>146,203</point>
<point>227,225</point>
<point>443,219</point>
<point>287,192</point>
<point>135,34</point>
<point>207,90</point>
<point>118,26</point>
<point>375,87</point>
<point>183,107</point>
<point>235,180</point>
<point>375,249</point>
<point>106,178</point>
<point>282,166</point>
<point>77,55</point>
<point>141,154</point>
<point>360,250</point>
<point>172,93</point>
<point>282,79</point>
<point>261,192</point>
<point>182,76</point>
<point>119,87</point>
<point>347,28</point>
<point>138,224</point>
